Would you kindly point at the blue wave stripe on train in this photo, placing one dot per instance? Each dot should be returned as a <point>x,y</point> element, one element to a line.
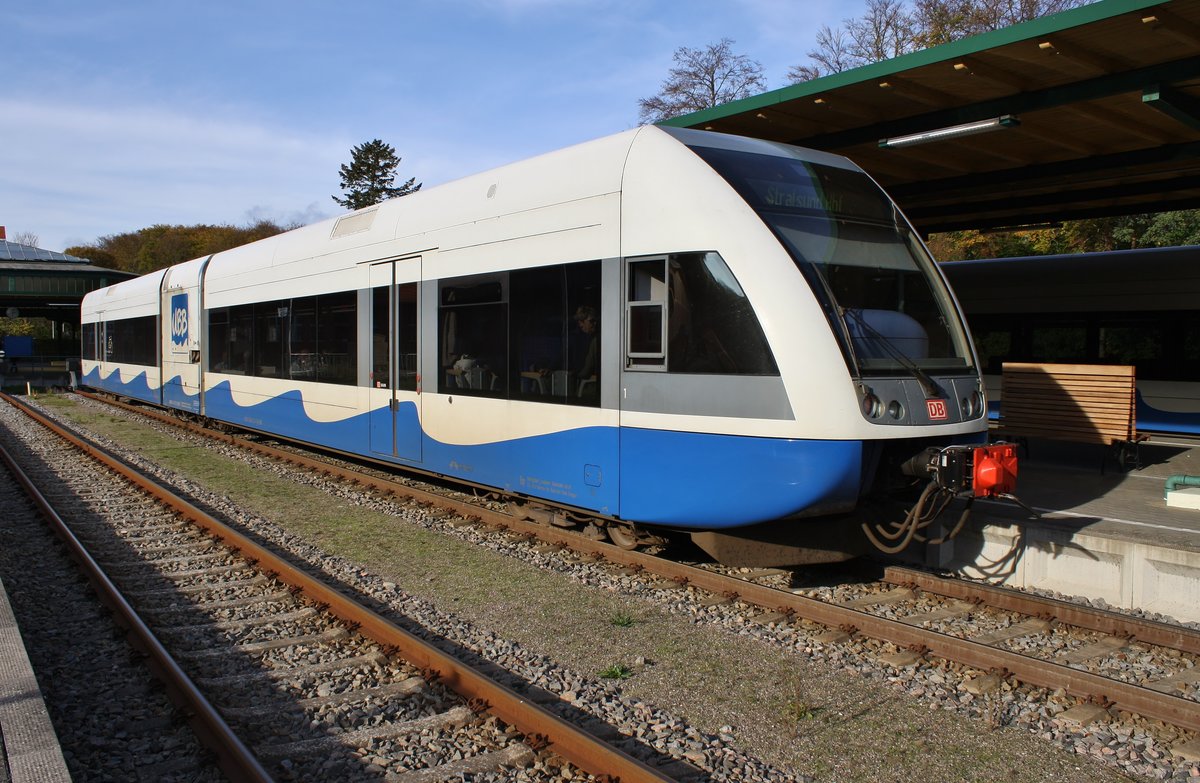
<point>775,477</point>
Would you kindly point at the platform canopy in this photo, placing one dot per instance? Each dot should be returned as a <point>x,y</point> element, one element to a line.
<point>1088,113</point>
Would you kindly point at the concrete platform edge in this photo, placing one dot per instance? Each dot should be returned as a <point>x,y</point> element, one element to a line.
<point>1052,554</point>
<point>31,749</point>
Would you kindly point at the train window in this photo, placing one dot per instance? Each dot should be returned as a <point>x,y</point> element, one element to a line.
<point>876,283</point>
<point>555,332</point>
<point>645,314</point>
<point>241,340</point>
<point>270,321</point>
<point>1132,344</point>
<point>132,340</point>
<point>1188,366</point>
<point>687,314</point>
<point>312,338</point>
<point>302,343</point>
<point>337,328</point>
<point>468,293</point>
<point>1060,342</point>
<point>994,347</point>
<point>473,337</point>
<point>218,339</point>
<point>88,342</point>
<point>711,327</point>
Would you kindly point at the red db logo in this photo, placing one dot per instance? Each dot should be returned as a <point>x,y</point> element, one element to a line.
<point>937,409</point>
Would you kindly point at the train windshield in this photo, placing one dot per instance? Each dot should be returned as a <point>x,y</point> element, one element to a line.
<point>885,300</point>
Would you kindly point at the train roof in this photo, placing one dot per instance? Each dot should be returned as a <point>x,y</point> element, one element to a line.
<point>1149,278</point>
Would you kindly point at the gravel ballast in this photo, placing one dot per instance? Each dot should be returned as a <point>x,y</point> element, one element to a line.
<point>720,684</point>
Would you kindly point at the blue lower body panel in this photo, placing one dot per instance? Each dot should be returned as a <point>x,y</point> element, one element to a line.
<point>705,481</point>
<point>1156,420</point>
<point>679,479</point>
<point>176,396</point>
<point>138,388</point>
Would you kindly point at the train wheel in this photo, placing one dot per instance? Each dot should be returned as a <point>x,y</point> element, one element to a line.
<point>623,536</point>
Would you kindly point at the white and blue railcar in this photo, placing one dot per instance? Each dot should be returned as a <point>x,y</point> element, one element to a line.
<point>665,328</point>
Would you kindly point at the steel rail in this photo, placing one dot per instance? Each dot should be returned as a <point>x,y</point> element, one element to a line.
<point>573,743</point>
<point>1148,631</point>
<point>233,757</point>
<point>1132,698</point>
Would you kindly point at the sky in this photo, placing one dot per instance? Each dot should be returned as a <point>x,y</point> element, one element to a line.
<point>124,114</point>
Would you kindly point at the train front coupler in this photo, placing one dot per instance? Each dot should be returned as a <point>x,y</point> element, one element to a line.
<point>950,472</point>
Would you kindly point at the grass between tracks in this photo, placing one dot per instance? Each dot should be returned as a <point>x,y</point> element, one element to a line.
<point>810,717</point>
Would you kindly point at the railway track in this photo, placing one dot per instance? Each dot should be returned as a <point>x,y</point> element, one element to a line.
<point>1003,635</point>
<point>286,676</point>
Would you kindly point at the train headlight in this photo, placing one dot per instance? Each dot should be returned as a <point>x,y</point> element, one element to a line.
<point>972,405</point>
<point>872,406</point>
<point>895,409</point>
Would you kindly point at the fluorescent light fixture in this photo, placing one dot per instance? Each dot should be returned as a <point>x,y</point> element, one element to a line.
<point>953,132</point>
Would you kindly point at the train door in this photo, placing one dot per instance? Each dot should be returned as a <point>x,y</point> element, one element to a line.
<point>180,334</point>
<point>180,349</point>
<point>395,392</point>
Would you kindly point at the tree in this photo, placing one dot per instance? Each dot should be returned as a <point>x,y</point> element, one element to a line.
<point>369,177</point>
<point>702,79</point>
<point>832,55</point>
<point>883,32</point>
<point>26,238</point>
<point>888,30</point>
<point>159,246</point>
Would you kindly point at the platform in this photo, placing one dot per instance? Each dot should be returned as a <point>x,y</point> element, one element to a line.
<point>1102,535</point>
<point>29,749</point>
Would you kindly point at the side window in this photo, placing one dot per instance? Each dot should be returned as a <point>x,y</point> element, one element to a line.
<point>337,338</point>
<point>686,313</point>
<point>302,342</point>
<point>312,338</point>
<point>241,340</point>
<point>1066,343</point>
<point>132,340</point>
<point>88,341</point>
<point>646,314</point>
<point>994,345</point>
<point>218,339</point>
<point>555,333</point>
<point>473,336</point>
<point>270,319</point>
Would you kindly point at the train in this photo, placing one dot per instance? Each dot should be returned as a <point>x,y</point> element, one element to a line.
<point>660,333</point>
<point>1131,307</point>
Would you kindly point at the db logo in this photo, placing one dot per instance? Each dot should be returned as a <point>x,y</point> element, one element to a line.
<point>937,409</point>
<point>179,319</point>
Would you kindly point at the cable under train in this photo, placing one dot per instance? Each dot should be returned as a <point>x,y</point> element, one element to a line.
<point>658,331</point>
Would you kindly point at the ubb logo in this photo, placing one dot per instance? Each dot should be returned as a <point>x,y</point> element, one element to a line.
<point>179,319</point>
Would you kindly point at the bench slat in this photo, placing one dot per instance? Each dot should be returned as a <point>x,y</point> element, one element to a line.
<point>1082,403</point>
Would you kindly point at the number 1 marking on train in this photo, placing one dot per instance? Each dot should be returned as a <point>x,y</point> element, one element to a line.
<point>937,409</point>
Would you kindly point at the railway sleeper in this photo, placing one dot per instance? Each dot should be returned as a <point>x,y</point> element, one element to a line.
<point>513,756</point>
<point>331,635</point>
<point>377,659</point>
<point>454,718</point>
<point>404,688</point>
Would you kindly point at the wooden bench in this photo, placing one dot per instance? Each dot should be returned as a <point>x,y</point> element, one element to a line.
<point>1082,403</point>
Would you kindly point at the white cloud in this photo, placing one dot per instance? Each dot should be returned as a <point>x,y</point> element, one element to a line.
<point>73,173</point>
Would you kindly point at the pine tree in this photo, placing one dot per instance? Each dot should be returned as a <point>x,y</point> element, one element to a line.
<point>369,177</point>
